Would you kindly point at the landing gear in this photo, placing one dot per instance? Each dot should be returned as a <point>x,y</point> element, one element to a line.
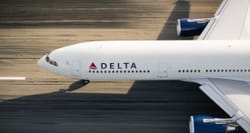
<point>85,81</point>
<point>75,85</point>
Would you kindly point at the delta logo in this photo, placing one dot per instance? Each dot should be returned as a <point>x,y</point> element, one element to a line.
<point>112,65</point>
<point>92,66</point>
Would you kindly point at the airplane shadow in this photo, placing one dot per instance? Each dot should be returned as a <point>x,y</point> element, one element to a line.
<point>168,32</point>
<point>149,106</point>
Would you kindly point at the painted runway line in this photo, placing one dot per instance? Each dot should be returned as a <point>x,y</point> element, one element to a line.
<point>12,78</point>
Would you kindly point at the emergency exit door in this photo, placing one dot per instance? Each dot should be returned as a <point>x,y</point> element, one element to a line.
<point>162,70</point>
<point>75,70</point>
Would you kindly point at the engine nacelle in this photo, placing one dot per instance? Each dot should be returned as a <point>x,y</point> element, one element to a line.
<point>191,27</point>
<point>205,124</point>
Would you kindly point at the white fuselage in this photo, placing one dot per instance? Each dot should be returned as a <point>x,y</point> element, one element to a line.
<point>152,60</point>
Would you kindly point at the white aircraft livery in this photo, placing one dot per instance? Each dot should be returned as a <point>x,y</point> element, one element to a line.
<point>219,61</point>
<point>151,60</point>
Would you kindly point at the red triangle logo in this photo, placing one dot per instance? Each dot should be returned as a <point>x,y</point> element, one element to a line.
<point>92,66</point>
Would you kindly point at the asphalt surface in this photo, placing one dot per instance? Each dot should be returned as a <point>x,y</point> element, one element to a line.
<point>50,103</point>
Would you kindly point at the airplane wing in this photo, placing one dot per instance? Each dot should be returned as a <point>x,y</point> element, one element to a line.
<point>232,96</point>
<point>230,22</point>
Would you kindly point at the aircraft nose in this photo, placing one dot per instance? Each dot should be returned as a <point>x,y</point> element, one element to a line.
<point>41,62</point>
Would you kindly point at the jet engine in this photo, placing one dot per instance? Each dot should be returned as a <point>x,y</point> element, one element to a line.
<point>191,27</point>
<point>209,124</point>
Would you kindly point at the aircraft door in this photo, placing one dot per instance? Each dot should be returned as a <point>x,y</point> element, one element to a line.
<point>75,69</point>
<point>162,70</point>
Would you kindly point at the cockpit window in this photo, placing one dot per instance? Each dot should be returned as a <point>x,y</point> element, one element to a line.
<point>47,58</point>
<point>52,62</point>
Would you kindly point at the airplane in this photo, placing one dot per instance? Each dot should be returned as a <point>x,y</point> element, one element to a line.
<point>218,61</point>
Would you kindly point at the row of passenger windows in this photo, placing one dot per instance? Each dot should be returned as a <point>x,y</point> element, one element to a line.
<point>212,70</point>
<point>188,70</point>
<point>119,71</point>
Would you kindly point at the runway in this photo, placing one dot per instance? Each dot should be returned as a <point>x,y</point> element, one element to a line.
<point>45,102</point>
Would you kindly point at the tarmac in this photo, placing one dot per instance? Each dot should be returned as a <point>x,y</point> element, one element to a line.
<point>45,102</point>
